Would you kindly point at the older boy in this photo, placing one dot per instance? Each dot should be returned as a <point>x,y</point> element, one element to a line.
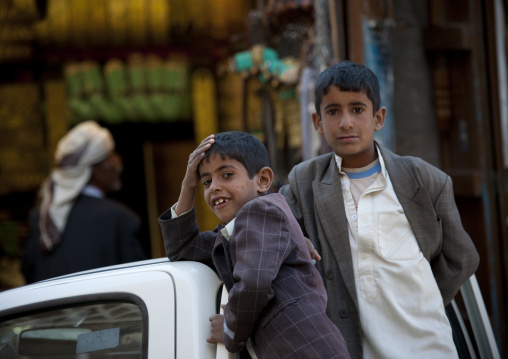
<point>277,302</point>
<point>393,248</point>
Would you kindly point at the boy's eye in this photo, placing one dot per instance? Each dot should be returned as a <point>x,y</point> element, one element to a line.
<point>228,174</point>
<point>357,110</point>
<point>206,182</point>
<point>333,111</point>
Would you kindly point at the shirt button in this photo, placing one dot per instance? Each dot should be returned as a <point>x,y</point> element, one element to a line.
<point>343,313</point>
<point>241,344</point>
<point>354,216</point>
<point>329,274</point>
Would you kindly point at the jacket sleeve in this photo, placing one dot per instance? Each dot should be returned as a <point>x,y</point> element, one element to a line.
<point>290,192</point>
<point>458,259</point>
<point>184,241</point>
<point>260,244</point>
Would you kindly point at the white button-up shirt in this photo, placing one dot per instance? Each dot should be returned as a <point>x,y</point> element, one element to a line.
<point>401,309</point>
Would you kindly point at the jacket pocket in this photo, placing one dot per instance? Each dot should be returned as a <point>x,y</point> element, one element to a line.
<point>277,310</point>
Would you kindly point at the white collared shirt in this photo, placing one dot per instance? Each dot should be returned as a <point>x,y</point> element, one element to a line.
<point>401,308</point>
<point>92,191</point>
<point>227,231</point>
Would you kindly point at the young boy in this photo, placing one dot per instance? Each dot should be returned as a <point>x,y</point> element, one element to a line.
<point>277,301</point>
<point>393,248</point>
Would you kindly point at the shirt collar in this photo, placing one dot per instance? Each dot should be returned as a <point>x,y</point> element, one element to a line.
<point>338,162</point>
<point>227,231</point>
<point>92,191</point>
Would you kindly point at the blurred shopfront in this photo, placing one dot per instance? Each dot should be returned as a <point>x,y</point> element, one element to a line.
<point>163,74</point>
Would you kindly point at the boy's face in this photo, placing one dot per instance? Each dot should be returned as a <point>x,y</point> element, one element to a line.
<point>227,186</point>
<point>348,124</point>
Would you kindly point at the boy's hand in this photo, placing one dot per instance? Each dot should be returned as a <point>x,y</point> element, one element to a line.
<point>313,253</point>
<point>217,329</point>
<point>191,180</point>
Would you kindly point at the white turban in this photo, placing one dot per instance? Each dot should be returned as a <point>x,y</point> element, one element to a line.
<point>83,146</point>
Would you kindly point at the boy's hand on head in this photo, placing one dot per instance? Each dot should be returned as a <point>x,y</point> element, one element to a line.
<point>216,329</point>
<point>192,178</point>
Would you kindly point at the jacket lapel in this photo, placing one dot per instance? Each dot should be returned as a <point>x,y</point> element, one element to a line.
<point>222,260</point>
<point>329,206</point>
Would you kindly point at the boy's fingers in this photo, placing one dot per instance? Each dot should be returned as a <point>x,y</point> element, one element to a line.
<point>203,146</point>
<point>312,251</point>
<point>316,255</point>
<point>210,139</point>
<point>216,316</point>
<point>206,143</point>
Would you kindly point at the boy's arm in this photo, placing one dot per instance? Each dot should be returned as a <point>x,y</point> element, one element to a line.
<point>458,258</point>
<point>192,179</point>
<point>260,245</point>
<point>182,238</point>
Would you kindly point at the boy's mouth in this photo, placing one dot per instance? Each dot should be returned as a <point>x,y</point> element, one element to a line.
<point>347,138</point>
<point>220,201</point>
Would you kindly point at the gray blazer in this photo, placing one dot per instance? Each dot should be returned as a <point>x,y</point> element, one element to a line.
<point>276,295</point>
<point>315,196</point>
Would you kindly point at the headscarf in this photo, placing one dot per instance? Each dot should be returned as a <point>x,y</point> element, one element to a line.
<point>83,146</point>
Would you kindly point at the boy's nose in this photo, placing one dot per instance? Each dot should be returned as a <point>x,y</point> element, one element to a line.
<point>215,187</point>
<point>346,122</point>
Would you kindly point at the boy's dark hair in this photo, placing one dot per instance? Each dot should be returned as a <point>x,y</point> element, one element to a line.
<point>349,77</point>
<point>243,147</point>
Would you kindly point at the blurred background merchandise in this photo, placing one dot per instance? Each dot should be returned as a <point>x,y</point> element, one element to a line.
<point>163,74</point>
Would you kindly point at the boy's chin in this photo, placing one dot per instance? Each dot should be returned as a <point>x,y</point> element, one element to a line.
<point>222,218</point>
<point>225,220</point>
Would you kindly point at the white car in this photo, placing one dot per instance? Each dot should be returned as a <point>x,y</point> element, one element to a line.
<point>152,309</point>
<point>147,309</point>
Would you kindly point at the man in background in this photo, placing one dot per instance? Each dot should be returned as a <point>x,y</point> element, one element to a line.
<point>76,227</point>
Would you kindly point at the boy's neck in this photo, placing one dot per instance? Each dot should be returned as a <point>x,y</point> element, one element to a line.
<point>359,160</point>
<point>352,162</point>
<point>366,168</point>
<point>356,164</point>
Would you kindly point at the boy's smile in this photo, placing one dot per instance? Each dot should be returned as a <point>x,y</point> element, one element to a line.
<point>348,123</point>
<point>227,186</point>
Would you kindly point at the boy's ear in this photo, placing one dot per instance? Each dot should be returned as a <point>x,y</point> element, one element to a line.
<point>379,118</point>
<point>318,124</point>
<point>265,179</point>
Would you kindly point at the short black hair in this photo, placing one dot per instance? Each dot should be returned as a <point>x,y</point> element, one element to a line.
<point>349,77</point>
<point>243,147</point>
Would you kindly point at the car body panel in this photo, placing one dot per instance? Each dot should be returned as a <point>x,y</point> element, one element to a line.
<point>179,298</point>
